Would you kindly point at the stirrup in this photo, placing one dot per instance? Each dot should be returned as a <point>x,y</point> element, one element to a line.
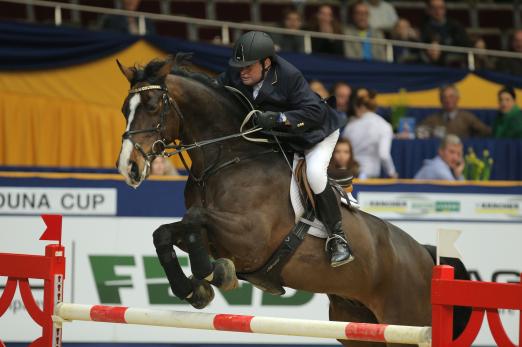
<point>330,238</point>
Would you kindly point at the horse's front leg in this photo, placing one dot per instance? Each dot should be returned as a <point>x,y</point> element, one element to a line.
<point>220,273</point>
<point>198,293</point>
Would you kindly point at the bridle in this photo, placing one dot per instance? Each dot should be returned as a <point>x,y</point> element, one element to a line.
<point>159,147</point>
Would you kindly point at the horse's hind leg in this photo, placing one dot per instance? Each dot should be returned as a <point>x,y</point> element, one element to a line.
<point>198,293</point>
<point>347,311</point>
<point>221,272</point>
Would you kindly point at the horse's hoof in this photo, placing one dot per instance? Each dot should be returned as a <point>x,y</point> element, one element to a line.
<point>202,293</point>
<point>224,275</point>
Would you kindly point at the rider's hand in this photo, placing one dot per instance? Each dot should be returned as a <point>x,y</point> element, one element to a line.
<point>268,120</point>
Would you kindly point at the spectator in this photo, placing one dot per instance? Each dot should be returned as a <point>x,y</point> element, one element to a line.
<point>342,159</point>
<point>512,65</point>
<point>382,15</point>
<point>445,31</point>
<point>124,24</point>
<point>452,120</point>
<point>290,43</point>
<point>482,61</point>
<point>163,167</point>
<point>325,22</point>
<point>508,123</point>
<point>370,135</point>
<point>447,165</point>
<point>449,31</point>
<point>319,88</point>
<point>433,55</point>
<point>342,92</point>
<point>403,31</point>
<point>361,28</point>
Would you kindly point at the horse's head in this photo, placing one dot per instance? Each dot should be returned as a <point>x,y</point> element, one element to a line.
<point>148,110</point>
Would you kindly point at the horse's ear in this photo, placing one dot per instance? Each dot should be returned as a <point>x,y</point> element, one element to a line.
<point>167,67</point>
<point>127,72</point>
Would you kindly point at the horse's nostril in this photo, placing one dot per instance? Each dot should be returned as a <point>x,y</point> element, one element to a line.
<point>134,171</point>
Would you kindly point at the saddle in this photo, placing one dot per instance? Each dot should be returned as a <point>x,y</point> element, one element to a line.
<point>339,179</point>
<point>268,277</point>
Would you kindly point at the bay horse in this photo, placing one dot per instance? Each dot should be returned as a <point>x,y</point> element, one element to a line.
<point>239,211</point>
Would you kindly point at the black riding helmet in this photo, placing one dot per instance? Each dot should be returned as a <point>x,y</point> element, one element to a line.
<point>251,47</point>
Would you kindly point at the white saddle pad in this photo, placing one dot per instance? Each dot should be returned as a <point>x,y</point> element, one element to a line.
<point>317,228</point>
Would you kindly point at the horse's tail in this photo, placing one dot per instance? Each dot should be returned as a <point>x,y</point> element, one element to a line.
<point>461,314</point>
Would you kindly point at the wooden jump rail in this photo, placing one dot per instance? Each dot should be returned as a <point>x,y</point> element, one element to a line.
<point>484,297</point>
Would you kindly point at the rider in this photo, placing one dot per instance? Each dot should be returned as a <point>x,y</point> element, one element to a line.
<point>277,88</point>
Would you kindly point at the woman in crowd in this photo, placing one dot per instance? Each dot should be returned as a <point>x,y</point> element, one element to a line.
<point>342,159</point>
<point>370,135</point>
<point>508,123</point>
<point>319,88</point>
<point>325,22</point>
<point>163,167</point>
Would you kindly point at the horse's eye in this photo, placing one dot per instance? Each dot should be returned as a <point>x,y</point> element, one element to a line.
<point>151,108</point>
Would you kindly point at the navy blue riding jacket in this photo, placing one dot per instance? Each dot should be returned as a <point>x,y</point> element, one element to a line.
<point>285,90</point>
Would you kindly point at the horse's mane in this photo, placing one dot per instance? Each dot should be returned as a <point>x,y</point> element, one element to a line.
<point>149,74</point>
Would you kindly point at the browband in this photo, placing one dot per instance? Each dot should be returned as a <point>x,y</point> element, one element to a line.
<point>144,88</point>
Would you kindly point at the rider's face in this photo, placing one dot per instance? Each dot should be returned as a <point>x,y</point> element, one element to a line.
<point>251,74</point>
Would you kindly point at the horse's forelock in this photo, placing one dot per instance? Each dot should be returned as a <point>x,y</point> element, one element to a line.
<point>149,72</point>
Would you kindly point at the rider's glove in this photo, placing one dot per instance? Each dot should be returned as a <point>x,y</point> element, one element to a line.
<point>268,120</point>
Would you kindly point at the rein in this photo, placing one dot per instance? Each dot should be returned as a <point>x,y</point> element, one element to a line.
<point>159,147</point>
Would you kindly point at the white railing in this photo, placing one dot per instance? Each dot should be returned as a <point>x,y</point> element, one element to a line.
<point>226,26</point>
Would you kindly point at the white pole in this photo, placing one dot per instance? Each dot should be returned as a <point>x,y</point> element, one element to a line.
<point>307,44</point>
<point>389,53</point>
<point>57,16</point>
<point>471,61</point>
<point>241,323</point>
<point>142,27</point>
<point>225,35</point>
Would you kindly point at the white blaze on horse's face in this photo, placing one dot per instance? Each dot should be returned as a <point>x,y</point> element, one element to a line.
<point>124,165</point>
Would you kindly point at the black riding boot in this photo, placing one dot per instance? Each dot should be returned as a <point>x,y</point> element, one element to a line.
<point>336,245</point>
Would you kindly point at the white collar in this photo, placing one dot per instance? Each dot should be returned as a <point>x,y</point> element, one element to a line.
<point>257,88</point>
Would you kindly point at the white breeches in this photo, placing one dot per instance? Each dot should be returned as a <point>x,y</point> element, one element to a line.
<point>317,161</point>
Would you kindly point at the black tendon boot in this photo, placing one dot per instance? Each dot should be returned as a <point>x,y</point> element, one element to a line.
<point>336,245</point>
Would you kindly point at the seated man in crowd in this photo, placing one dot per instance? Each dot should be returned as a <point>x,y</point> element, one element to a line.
<point>361,27</point>
<point>127,25</point>
<point>290,43</point>
<point>445,31</point>
<point>451,120</point>
<point>447,165</point>
<point>512,65</point>
<point>341,91</point>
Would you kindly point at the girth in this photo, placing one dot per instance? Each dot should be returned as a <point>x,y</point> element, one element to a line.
<point>268,277</point>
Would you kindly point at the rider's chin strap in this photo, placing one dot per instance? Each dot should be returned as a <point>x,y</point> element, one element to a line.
<point>264,69</point>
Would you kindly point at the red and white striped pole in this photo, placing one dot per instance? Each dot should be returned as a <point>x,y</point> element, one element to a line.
<point>245,324</point>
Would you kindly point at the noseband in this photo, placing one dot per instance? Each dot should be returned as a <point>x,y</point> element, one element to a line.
<point>159,146</point>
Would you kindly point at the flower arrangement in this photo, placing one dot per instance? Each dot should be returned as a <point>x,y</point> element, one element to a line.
<point>399,109</point>
<point>477,169</point>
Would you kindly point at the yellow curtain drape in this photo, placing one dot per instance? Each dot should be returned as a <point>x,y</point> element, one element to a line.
<point>68,117</point>
<point>48,131</point>
<point>475,92</point>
